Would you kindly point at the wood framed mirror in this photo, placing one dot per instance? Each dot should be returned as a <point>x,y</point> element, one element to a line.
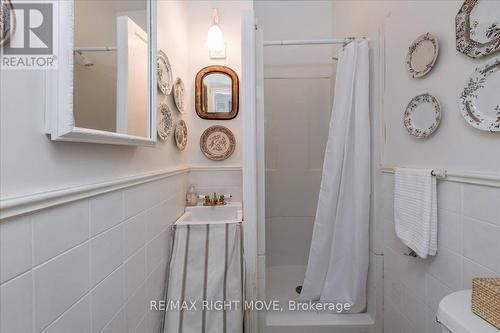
<point>217,93</point>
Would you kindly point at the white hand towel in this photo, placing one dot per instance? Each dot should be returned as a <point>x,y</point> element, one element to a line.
<point>415,210</point>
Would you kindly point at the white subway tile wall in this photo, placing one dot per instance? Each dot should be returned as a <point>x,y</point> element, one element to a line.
<point>468,246</point>
<point>226,182</point>
<point>91,265</point>
<point>289,240</point>
<point>15,247</point>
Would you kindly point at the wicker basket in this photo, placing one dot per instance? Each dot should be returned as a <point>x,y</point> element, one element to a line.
<point>486,299</point>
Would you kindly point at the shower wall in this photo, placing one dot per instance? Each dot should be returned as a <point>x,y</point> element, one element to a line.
<point>297,116</point>
<point>298,98</point>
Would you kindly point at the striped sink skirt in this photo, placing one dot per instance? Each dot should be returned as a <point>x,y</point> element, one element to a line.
<point>205,284</point>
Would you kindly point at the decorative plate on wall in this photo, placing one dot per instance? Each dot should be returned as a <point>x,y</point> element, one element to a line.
<point>165,122</point>
<point>7,22</point>
<point>422,55</point>
<point>164,73</point>
<point>480,100</point>
<point>422,115</point>
<point>179,93</point>
<point>217,143</point>
<point>181,134</point>
<point>478,28</point>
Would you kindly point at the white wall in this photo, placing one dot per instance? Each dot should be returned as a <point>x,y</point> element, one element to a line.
<point>469,231</point>
<point>31,163</point>
<point>199,20</point>
<point>297,20</point>
<point>92,264</point>
<point>455,145</point>
<point>468,216</point>
<point>298,85</point>
<point>297,118</point>
<point>468,246</point>
<point>209,181</point>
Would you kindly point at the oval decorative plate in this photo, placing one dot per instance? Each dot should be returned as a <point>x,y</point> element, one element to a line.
<point>477,28</point>
<point>217,143</point>
<point>422,55</point>
<point>165,123</point>
<point>7,21</point>
<point>480,100</point>
<point>164,73</point>
<point>181,133</point>
<point>422,115</point>
<point>179,94</point>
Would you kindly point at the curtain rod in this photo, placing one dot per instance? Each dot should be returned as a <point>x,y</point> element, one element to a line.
<point>312,41</point>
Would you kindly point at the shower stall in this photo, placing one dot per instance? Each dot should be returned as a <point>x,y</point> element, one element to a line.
<point>297,111</point>
<point>293,95</point>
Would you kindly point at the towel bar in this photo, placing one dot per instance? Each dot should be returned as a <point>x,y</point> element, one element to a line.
<point>439,173</point>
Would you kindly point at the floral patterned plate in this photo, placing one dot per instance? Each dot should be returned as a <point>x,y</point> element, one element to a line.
<point>165,123</point>
<point>480,100</point>
<point>179,92</point>
<point>422,55</point>
<point>477,27</point>
<point>422,115</point>
<point>181,134</point>
<point>164,73</point>
<point>7,20</point>
<point>217,143</point>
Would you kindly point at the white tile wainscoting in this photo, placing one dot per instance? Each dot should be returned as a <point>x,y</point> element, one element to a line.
<point>224,180</point>
<point>90,265</point>
<point>468,246</point>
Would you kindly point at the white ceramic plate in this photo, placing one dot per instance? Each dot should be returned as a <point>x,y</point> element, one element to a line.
<point>164,73</point>
<point>477,27</point>
<point>422,115</point>
<point>181,135</point>
<point>179,93</point>
<point>165,122</point>
<point>217,143</point>
<point>422,55</point>
<point>7,19</point>
<point>480,100</point>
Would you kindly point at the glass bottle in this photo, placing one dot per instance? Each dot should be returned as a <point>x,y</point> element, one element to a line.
<point>192,196</point>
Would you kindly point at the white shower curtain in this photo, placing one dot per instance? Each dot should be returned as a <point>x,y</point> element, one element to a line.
<point>338,259</point>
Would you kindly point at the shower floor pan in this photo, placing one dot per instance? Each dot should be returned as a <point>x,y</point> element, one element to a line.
<point>280,285</point>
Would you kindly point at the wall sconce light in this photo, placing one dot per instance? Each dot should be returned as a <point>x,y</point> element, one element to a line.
<point>215,39</point>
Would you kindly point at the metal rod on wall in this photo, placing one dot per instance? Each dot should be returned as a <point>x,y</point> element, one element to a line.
<point>312,41</point>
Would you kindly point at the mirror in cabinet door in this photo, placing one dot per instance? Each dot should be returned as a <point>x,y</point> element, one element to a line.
<point>104,89</point>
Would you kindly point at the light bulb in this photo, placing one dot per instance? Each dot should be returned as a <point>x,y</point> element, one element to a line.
<point>215,38</point>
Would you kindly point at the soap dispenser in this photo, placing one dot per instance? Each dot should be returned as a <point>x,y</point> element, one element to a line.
<point>192,196</point>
